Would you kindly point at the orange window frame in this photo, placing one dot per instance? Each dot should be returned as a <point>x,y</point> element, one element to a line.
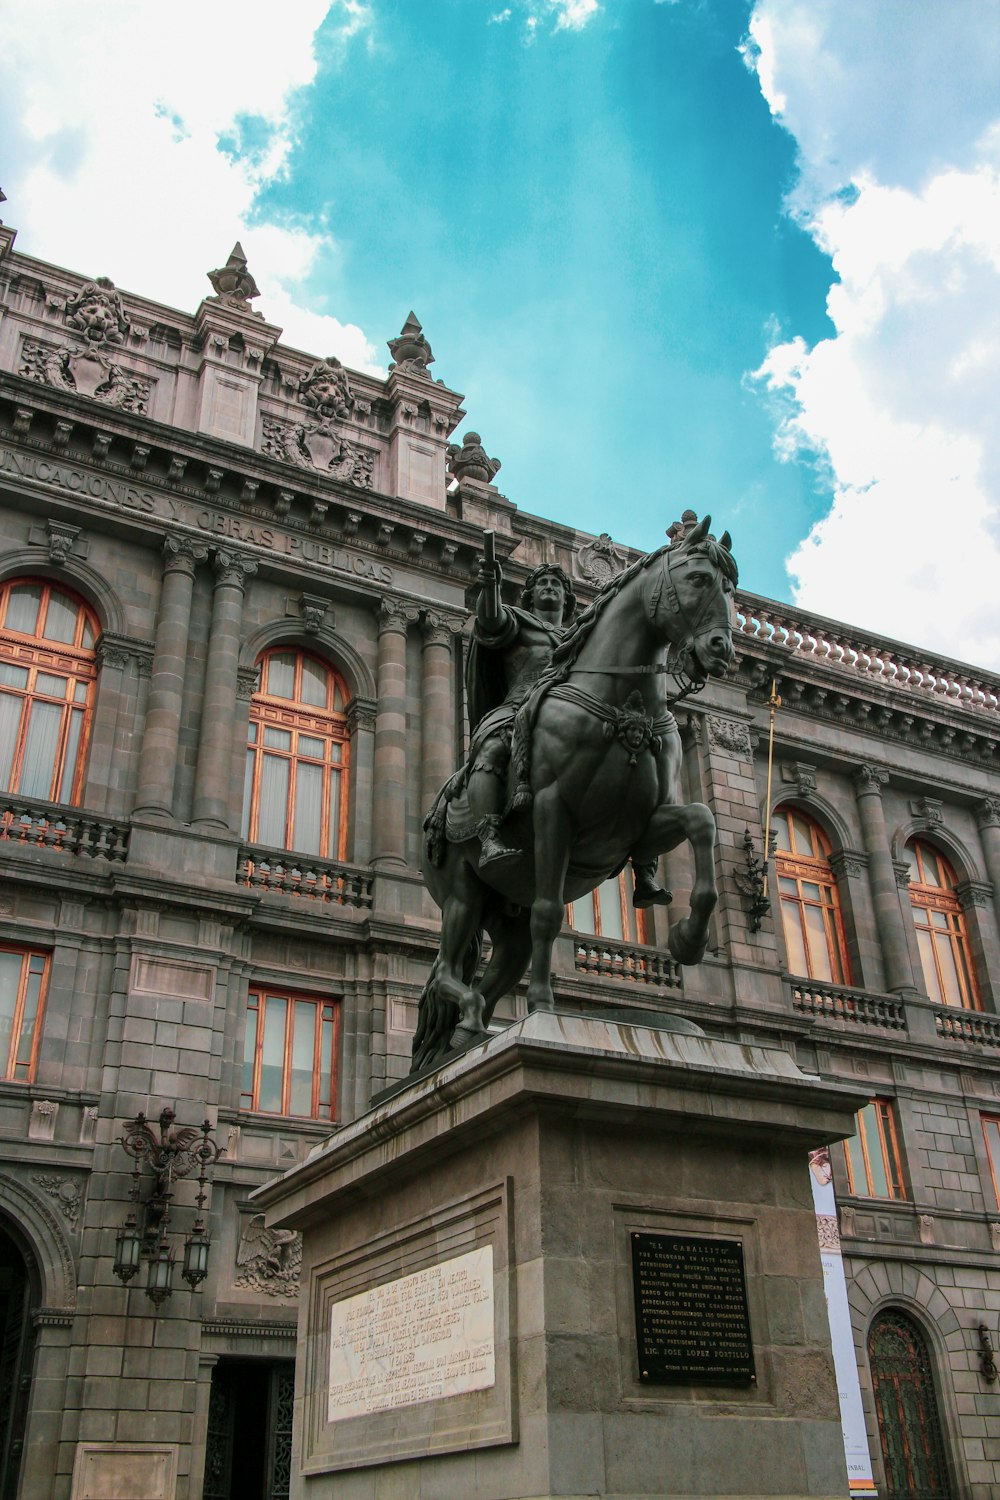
<point>991,1126</point>
<point>33,961</point>
<point>805,869</point>
<point>628,913</point>
<point>36,655</point>
<point>926,898</point>
<point>267,710</point>
<point>323,1104</point>
<point>876,1120</point>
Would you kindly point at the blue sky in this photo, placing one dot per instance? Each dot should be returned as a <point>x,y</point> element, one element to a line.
<point>742,255</point>
<point>589,225</point>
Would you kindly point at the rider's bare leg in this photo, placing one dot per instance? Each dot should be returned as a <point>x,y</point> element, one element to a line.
<point>548,911</point>
<point>487,790</point>
<point>461,918</point>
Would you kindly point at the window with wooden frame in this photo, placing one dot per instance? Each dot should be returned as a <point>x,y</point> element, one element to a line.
<point>290,1054</point>
<point>47,677</point>
<point>24,976</point>
<point>874,1169</point>
<point>942,936</point>
<point>295,793</point>
<point>991,1131</point>
<point>811,918</point>
<point>608,911</point>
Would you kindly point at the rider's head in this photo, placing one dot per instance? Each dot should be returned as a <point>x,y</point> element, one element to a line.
<point>543,585</point>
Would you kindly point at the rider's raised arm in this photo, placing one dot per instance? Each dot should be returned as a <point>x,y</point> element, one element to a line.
<point>493,619</point>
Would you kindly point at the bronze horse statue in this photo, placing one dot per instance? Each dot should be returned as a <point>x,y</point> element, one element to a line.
<point>601,752</point>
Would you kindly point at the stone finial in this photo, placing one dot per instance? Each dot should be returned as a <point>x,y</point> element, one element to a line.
<point>326,390</point>
<point>679,529</point>
<point>98,314</point>
<point>470,461</point>
<point>410,350</point>
<point>232,283</point>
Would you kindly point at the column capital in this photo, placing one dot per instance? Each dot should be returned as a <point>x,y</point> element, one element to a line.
<point>869,780</point>
<point>988,813</point>
<point>182,554</point>
<point>437,629</point>
<point>903,873</point>
<point>394,615</point>
<point>361,716</point>
<point>848,864</point>
<point>232,569</point>
<point>247,680</point>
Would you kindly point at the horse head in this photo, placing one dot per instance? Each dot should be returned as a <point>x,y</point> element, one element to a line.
<point>692,603</point>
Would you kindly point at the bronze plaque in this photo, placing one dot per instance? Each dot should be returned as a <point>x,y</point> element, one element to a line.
<point>692,1325</point>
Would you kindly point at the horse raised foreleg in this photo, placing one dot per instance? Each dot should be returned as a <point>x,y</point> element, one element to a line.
<point>461,921</point>
<point>667,828</point>
<point>552,827</point>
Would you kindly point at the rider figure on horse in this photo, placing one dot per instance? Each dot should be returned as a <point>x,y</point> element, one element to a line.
<point>510,650</point>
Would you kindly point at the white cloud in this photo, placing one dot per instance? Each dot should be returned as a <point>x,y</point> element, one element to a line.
<point>898,182</point>
<point>138,137</point>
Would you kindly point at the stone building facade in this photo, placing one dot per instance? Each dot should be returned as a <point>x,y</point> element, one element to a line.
<point>234,580</point>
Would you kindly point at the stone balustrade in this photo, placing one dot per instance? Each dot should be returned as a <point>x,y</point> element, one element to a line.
<point>968,1026</point>
<point>324,880</point>
<point>837,1002</point>
<point>886,663</point>
<point>47,825</point>
<point>626,961</point>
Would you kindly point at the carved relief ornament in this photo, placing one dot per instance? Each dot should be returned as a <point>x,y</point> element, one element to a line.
<point>269,1260</point>
<point>319,446</point>
<point>326,390</point>
<point>87,372</point>
<point>600,561</point>
<point>870,779</point>
<point>729,735</point>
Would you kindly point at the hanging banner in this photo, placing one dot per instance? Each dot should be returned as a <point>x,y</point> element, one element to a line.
<point>852,1416</point>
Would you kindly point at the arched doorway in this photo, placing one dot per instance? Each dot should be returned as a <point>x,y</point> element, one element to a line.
<point>906,1407</point>
<point>18,1301</point>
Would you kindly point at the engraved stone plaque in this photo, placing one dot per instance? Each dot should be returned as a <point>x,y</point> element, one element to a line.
<point>418,1338</point>
<point>692,1324</point>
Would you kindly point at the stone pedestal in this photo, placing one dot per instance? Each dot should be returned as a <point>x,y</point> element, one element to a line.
<point>468,1275</point>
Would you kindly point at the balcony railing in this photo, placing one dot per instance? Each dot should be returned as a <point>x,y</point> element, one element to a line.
<point>626,961</point>
<point>323,880</point>
<point>47,825</point>
<point>968,1026</point>
<point>887,663</point>
<point>836,1002</point>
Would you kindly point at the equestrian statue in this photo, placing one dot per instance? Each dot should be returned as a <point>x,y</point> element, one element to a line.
<point>573,770</point>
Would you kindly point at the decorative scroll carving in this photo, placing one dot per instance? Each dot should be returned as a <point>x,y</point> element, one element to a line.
<point>829,1232</point>
<point>800,775</point>
<point>394,614</point>
<point>437,629</point>
<point>88,372</point>
<point>182,554</point>
<point>598,562</point>
<point>988,813</point>
<point>319,446</point>
<point>232,569</point>
<point>313,609</point>
<point>66,1191</point>
<point>729,734</point>
<point>927,809</point>
<point>361,716</point>
<point>410,351</point>
<point>269,1260</point>
<point>98,314</point>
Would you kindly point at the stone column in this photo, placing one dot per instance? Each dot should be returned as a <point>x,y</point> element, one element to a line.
<point>390,734</point>
<point>158,758</point>
<point>437,708</point>
<point>215,747</point>
<point>988,818</point>
<point>361,787</point>
<point>868,783</point>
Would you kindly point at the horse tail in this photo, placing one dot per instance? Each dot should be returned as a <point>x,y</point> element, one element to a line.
<point>437,1014</point>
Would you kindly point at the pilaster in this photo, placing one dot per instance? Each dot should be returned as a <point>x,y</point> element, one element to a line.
<point>215,748</point>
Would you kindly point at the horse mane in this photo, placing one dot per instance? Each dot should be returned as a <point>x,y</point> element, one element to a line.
<point>582,628</point>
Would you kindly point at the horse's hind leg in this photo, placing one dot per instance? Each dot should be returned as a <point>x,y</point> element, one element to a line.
<point>461,921</point>
<point>511,936</point>
<point>548,911</point>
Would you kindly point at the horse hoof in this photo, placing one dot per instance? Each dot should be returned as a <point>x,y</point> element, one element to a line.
<point>683,949</point>
<point>544,1002</point>
<point>464,1037</point>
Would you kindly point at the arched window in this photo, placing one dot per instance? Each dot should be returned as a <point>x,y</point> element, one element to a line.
<point>608,912</point>
<point>295,793</point>
<point>47,676</point>
<point>811,918</point>
<point>941,932</point>
<point>906,1409</point>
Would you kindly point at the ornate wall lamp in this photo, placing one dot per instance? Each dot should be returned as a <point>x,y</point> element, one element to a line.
<point>175,1153</point>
